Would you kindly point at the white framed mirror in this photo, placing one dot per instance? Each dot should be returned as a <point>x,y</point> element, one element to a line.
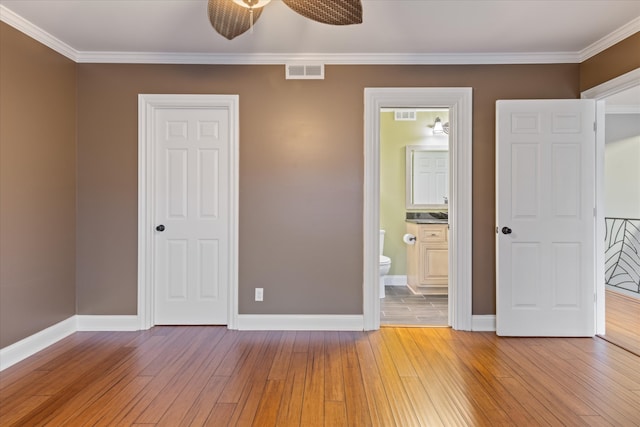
<point>427,176</point>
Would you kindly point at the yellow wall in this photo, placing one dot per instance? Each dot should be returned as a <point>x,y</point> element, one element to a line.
<point>394,137</point>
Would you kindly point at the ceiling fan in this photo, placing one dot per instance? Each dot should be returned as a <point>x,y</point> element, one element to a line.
<point>231,18</point>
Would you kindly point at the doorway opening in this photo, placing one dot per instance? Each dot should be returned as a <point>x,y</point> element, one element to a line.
<point>458,101</point>
<point>618,211</point>
<point>414,225</point>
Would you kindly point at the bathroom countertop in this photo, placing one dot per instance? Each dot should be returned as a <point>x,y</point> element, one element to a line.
<point>427,221</point>
<point>427,217</point>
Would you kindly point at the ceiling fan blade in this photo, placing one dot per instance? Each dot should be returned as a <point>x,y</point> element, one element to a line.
<point>230,19</point>
<point>333,12</point>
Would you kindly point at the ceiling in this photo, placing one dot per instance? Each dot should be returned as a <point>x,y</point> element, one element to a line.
<point>393,31</point>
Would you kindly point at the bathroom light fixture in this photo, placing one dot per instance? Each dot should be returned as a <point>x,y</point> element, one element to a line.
<point>437,127</point>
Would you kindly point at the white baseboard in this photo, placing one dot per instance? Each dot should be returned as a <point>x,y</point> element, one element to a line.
<point>395,280</point>
<point>108,323</point>
<point>295,322</point>
<point>19,351</point>
<point>483,323</point>
<point>22,349</point>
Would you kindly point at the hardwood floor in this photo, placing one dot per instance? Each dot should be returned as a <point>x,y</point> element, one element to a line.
<point>200,376</point>
<point>623,320</point>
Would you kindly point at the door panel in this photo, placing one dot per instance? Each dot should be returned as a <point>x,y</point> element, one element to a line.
<point>176,174</point>
<point>545,217</point>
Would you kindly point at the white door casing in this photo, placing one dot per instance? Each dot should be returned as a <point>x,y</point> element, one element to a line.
<point>545,176</point>
<point>188,180</point>
<point>459,102</point>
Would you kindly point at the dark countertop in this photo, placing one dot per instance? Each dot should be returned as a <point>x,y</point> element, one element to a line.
<point>427,217</point>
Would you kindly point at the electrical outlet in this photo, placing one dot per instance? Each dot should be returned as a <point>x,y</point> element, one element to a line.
<point>259,294</point>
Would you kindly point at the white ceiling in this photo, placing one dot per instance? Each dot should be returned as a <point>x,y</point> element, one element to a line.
<point>393,31</point>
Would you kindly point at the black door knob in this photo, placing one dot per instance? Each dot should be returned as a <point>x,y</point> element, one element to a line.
<point>506,230</point>
<point>160,227</point>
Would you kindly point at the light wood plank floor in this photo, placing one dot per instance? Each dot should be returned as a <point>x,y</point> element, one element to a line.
<point>197,376</point>
<point>623,320</point>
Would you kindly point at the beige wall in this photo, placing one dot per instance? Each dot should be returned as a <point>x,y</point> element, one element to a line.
<point>610,63</point>
<point>301,175</point>
<point>37,186</point>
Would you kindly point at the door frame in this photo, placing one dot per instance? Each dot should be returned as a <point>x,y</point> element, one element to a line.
<point>459,102</point>
<point>599,93</point>
<point>147,106</point>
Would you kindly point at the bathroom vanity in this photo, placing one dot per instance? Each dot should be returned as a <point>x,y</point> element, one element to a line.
<point>428,258</point>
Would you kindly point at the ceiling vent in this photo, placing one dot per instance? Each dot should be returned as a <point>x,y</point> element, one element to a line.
<point>405,115</point>
<point>305,71</point>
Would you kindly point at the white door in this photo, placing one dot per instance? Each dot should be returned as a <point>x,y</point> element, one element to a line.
<point>545,181</point>
<point>191,240</point>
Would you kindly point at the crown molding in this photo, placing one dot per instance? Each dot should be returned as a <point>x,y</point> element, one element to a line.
<point>28,28</point>
<point>328,59</point>
<point>609,40</point>
<point>19,23</point>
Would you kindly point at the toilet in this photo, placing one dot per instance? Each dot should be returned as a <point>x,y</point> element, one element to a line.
<point>385,264</point>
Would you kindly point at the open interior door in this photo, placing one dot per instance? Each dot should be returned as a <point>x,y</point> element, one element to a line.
<point>545,218</point>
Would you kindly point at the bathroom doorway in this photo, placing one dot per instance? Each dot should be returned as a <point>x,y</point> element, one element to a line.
<point>459,103</point>
<point>414,204</point>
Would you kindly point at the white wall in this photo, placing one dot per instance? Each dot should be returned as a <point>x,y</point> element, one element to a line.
<point>622,166</point>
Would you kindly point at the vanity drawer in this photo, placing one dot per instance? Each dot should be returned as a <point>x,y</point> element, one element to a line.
<point>433,233</point>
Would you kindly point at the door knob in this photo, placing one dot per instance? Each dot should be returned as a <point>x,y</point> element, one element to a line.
<point>160,227</point>
<point>506,230</point>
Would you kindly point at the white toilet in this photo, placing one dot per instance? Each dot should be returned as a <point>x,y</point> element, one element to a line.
<point>385,264</point>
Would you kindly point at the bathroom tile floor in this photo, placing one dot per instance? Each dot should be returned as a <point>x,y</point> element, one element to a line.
<point>401,307</point>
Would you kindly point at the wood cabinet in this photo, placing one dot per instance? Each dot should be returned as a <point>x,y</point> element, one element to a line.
<point>428,259</point>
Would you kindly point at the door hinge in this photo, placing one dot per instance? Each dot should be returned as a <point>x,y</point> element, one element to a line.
<point>595,126</point>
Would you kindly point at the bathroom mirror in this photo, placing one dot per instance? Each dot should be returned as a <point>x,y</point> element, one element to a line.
<point>427,170</point>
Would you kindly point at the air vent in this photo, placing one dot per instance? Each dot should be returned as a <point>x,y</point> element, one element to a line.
<point>305,71</point>
<point>405,115</point>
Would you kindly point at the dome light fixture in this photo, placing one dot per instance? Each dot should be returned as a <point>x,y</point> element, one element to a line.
<point>251,4</point>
